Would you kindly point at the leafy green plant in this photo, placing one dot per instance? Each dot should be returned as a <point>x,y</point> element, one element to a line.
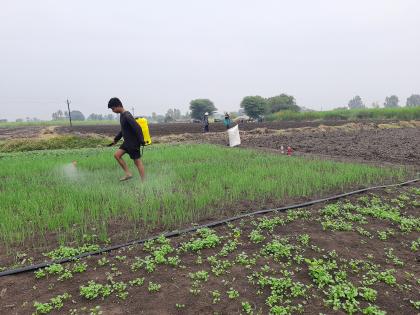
<point>154,287</point>
<point>79,267</point>
<point>94,290</point>
<point>393,258</point>
<point>215,296</point>
<point>247,308</point>
<point>200,275</point>
<point>232,294</point>
<point>415,245</point>
<point>56,303</point>
<point>207,239</point>
<point>304,239</point>
<point>103,261</point>
<point>120,289</point>
<point>66,252</point>
<point>137,282</point>
<point>256,237</point>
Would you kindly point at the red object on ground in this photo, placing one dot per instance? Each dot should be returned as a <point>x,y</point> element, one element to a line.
<point>289,151</point>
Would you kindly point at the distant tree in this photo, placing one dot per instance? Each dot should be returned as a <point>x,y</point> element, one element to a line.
<point>199,106</point>
<point>95,117</point>
<point>76,115</point>
<point>160,119</point>
<point>177,114</point>
<point>19,120</point>
<point>169,116</point>
<point>356,103</point>
<point>58,115</point>
<point>375,105</point>
<point>32,119</point>
<point>154,117</point>
<point>391,101</point>
<point>110,117</point>
<point>173,114</point>
<point>254,106</point>
<point>413,100</point>
<point>282,102</point>
<point>341,108</point>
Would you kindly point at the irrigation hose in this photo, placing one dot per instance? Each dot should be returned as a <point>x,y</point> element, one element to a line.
<point>195,228</point>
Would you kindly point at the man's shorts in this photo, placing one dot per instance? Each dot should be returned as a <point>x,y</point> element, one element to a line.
<point>134,153</point>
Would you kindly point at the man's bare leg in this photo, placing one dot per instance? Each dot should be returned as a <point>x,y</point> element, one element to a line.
<point>118,156</point>
<point>140,167</point>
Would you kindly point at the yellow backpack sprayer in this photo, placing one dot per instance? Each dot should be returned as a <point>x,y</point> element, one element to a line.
<point>142,122</point>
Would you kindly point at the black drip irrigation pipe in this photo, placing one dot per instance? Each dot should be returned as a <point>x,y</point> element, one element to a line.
<point>195,228</point>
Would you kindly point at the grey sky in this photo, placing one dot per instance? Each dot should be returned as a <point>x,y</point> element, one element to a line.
<point>160,54</point>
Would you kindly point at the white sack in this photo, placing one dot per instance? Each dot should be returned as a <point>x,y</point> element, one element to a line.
<point>234,138</point>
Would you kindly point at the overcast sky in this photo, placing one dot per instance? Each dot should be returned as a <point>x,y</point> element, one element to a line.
<point>160,54</point>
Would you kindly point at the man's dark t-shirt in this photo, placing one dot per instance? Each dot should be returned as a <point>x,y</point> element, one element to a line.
<point>130,131</point>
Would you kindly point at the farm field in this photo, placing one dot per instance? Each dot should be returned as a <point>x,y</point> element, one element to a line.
<point>387,142</point>
<point>45,195</point>
<point>357,255</point>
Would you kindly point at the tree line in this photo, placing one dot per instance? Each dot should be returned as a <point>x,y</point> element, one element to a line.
<point>254,106</point>
<point>390,102</point>
<point>78,116</point>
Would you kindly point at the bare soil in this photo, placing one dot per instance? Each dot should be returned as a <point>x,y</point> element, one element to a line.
<point>182,128</point>
<point>20,132</point>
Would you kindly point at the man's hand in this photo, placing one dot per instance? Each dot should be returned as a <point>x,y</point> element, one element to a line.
<point>111,144</point>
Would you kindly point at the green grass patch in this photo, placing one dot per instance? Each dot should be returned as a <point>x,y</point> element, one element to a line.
<point>401,113</point>
<point>56,142</point>
<point>42,192</point>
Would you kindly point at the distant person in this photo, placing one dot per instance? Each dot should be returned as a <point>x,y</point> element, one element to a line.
<point>133,139</point>
<point>206,122</point>
<point>227,122</point>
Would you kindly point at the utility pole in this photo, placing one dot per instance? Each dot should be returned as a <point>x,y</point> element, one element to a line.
<point>68,107</point>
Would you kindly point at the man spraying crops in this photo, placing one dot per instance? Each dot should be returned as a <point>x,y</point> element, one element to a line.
<point>133,139</point>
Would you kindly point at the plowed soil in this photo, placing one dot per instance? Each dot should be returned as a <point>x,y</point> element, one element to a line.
<point>395,145</point>
<point>182,128</point>
<point>396,142</point>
